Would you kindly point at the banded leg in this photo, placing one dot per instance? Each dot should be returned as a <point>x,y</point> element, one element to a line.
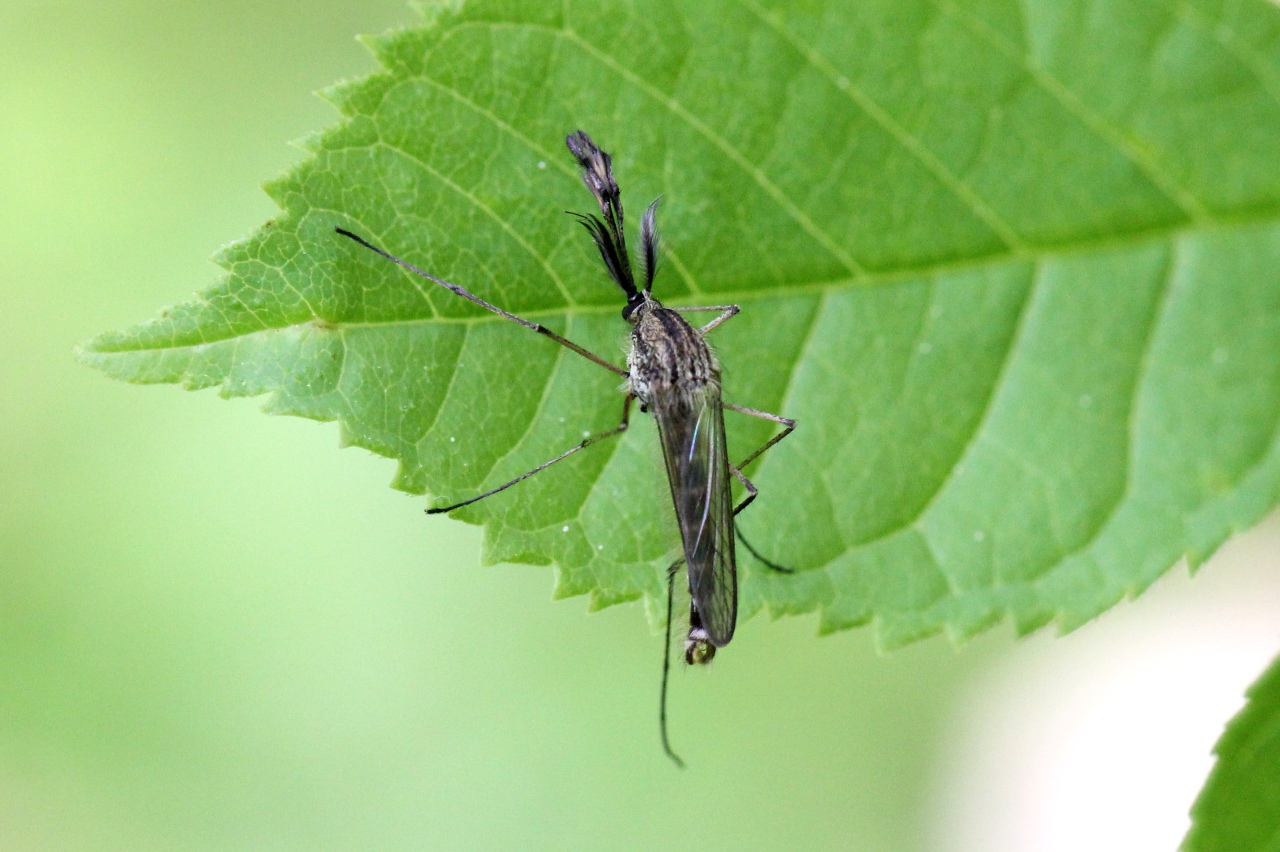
<point>586,442</point>
<point>459,291</point>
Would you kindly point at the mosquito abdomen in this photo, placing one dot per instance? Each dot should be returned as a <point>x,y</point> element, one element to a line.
<point>698,651</point>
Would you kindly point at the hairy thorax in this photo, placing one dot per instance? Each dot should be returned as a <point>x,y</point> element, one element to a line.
<point>668,355</point>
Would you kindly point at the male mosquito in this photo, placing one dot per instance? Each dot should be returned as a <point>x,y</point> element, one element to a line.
<point>675,375</point>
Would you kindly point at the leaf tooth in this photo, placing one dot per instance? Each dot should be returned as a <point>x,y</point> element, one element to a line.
<point>310,142</point>
<point>344,94</point>
<point>382,45</point>
<point>1025,622</point>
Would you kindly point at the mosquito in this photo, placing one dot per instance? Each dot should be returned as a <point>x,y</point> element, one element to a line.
<point>675,375</point>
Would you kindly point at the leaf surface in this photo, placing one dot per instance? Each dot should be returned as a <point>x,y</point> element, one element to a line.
<point>1014,268</point>
<point>1239,808</point>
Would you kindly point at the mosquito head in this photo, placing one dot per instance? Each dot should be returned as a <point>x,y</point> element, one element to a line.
<point>698,649</point>
<point>638,304</point>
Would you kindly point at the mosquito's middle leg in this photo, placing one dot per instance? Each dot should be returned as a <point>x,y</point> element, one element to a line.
<point>763,415</point>
<point>586,442</point>
<point>460,291</point>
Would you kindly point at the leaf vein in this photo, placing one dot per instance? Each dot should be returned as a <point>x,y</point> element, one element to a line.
<point>544,155</point>
<point>913,145</point>
<point>1167,281</point>
<point>492,214</point>
<point>753,171</point>
<point>448,391</point>
<point>1225,35</point>
<point>1106,130</point>
<point>997,386</point>
<point>539,409</point>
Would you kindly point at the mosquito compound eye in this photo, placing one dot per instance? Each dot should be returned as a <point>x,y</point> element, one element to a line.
<point>630,309</point>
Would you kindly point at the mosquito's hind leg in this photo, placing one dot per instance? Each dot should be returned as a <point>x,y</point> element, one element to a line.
<point>618,430</point>
<point>770,564</point>
<point>752,492</point>
<point>666,664</point>
<point>751,489</point>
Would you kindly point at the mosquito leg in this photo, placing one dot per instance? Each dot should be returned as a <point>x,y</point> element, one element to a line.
<point>689,309</point>
<point>752,491</point>
<point>586,442</point>
<point>763,415</point>
<point>666,665</point>
<point>768,563</point>
<point>459,291</point>
<point>729,312</point>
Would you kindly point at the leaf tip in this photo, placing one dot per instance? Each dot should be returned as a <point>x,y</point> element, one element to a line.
<point>86,353</point>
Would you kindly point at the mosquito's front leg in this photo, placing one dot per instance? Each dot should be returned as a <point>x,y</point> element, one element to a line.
<point>729,311</point>
<point>586,442</point>
<point>461,291</point>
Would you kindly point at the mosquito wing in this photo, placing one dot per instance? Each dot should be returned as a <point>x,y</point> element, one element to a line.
<point>691,424</point>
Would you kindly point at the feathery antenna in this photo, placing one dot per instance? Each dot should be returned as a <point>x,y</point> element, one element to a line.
<point>606,229</point>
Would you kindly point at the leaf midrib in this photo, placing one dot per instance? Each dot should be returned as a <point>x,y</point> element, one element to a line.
<point>1201,220</point>
<point>1041,254</point>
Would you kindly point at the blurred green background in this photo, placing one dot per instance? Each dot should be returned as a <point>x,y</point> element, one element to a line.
<point>218,631</point>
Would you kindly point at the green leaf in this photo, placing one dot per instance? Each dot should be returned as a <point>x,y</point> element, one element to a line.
<point>1014,268</point>
<point>1239,808</point>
